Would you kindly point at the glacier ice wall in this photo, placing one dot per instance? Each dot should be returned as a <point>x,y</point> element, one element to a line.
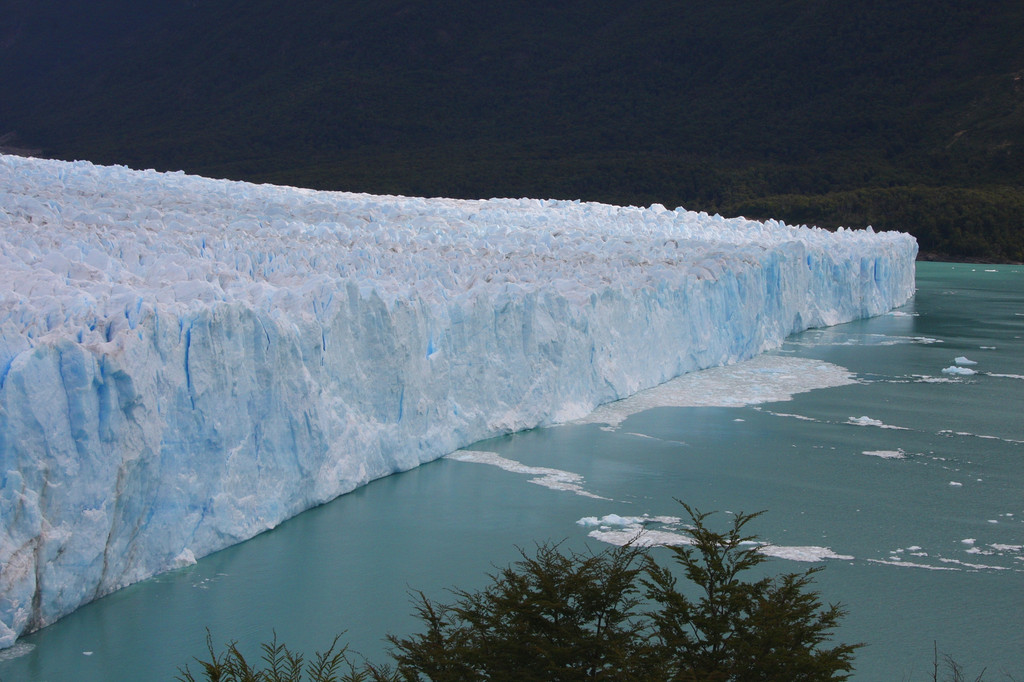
<point>187,362</point>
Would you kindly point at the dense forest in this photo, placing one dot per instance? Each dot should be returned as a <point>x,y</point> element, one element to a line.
<point>902,115</point>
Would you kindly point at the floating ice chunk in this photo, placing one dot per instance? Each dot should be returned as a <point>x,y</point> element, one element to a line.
<point>556,479</point>
<point>968,541</point>
<point>800,417</point>
<point>959,371</point>
<point>633,433</point>
<point>830,337</point>
<point>808,553</point>
<point>948,432</point>
<point>887,454</point>
<point>869,421</point>
<point>765,378</point>
<point>616,520</point>
<point>966,564</point>
<point>910,564</point>
<point>924,379</point>
<point>962,361</point>
<point>956,484</point>
<point>1007,548</point>
<point>640,537</point>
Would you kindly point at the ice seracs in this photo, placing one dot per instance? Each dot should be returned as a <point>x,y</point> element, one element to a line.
<point>187,362</point>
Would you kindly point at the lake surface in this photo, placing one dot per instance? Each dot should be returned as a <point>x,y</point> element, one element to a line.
<point>905,481</point>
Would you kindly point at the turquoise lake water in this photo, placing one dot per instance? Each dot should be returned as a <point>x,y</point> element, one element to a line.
<point>904,481</point>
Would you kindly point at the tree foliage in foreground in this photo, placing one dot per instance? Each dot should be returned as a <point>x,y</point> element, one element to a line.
<point>773,628</point>
<point>618,615</point>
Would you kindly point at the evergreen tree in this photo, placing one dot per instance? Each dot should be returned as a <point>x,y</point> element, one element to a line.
<point>770,629</point>
<point>547,618</point>
<point>568,617</point>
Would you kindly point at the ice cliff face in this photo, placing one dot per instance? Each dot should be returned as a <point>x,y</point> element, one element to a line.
<point>185,362</point>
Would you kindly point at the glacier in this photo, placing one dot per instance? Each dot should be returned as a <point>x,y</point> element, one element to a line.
<point>187,362</point>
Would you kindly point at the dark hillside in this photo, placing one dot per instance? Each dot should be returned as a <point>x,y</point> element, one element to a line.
<point>809,110</point>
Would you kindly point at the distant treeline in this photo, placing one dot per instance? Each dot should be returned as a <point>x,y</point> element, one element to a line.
<point>901,115</point>
<point>984,224</point>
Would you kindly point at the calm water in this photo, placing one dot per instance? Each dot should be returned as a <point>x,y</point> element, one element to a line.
<point>913,479</point>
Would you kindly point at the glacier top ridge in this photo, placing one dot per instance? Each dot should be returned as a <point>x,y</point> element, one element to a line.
<point>88,247</point>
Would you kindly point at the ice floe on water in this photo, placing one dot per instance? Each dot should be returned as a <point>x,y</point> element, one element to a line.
<point>556,479</point>
<point>806,553</point>
<point>619,530</point>
<point>939,562</point>
<point>927,379</point>
<point>627,521</point>
<point>869,421</point>
<point>789,415</point>
<point>958,371</point>
<point>766,378</point>
<point>642,537</point>
<point>639,537</point>
<point>898,453</point>
<point>949,433</point>
<point>838,337</point>
<point>998,547</point>
<point>622,530</point>
<point>963,360</point>
<point>969,564</point>
<point>899,561</point>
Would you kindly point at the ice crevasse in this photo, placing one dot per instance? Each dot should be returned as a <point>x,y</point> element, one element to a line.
<point>187,362</point>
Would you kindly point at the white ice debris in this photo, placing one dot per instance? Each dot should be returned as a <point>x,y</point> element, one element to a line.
<point>187,362</point>
<point>766,378</point>
<point>962,360</point>
<point>556,479</point>
<point>616,520</point>
<point>869,421</point>
<point>898,453</point>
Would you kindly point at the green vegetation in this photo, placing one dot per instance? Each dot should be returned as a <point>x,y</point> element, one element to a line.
<point>904,115</point>
<point>617,615</point>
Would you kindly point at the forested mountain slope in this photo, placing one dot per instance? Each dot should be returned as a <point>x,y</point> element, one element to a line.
<point>902,115</point>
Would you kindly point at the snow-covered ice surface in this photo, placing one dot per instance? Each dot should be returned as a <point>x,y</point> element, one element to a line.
<point>187,362</point>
